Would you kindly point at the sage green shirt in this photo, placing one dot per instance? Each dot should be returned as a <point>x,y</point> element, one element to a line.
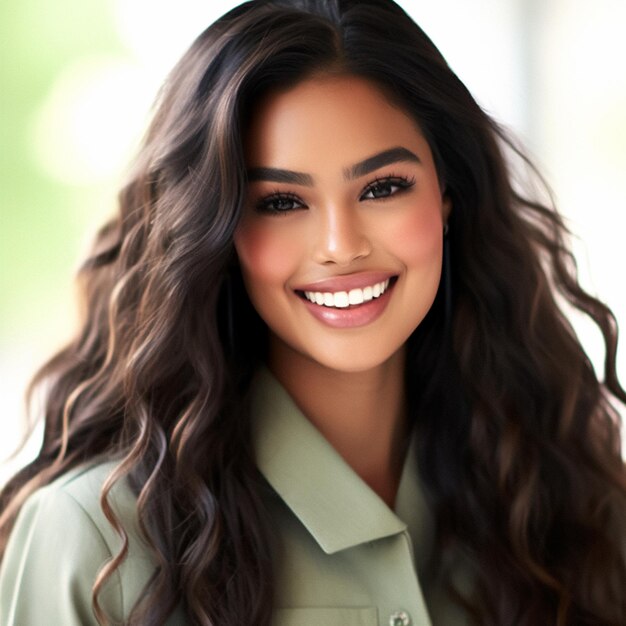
<point>346,558</point>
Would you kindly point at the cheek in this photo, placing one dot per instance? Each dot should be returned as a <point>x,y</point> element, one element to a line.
<point>416,236</point>
<point>267,255</point>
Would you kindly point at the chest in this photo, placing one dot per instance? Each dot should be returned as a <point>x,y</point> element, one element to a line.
<point>375,583</point>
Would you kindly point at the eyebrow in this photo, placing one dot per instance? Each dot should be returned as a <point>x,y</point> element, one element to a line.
<point>279,176</point>
<point>387,157</point>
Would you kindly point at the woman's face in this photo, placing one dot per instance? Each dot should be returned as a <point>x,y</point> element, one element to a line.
<point>340,245</point>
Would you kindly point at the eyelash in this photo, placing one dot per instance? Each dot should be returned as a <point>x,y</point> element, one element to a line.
<point>401,182</point>
<point>263,204</point>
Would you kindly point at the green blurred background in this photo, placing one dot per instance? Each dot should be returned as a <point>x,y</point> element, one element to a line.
<point>39,210</point>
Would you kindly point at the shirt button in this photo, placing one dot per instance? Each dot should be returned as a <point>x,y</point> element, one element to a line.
<point>400,618</point>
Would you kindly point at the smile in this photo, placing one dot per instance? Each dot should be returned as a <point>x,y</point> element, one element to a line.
<point>362,300</point>
<point>344,299</point>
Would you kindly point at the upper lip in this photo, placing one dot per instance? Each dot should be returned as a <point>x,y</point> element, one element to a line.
<point>347,282</point>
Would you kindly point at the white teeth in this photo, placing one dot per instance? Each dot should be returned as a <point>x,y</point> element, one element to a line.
<point>343,299</point>
<point>355,296</point>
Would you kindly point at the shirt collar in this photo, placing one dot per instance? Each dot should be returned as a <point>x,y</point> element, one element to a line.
<point>335,505</point>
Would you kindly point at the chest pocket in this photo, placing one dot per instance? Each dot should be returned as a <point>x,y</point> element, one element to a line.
<point>320,616</point>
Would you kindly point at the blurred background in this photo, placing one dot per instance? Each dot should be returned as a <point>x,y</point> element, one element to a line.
<point>78,79</point>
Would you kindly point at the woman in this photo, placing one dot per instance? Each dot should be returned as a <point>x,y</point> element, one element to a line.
<point>322,376</point>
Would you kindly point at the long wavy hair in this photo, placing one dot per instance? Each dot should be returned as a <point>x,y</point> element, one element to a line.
<point>519,439</point>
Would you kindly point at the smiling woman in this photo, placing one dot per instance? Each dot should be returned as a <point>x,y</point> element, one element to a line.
<point>354,214</point>
<point>322,377</point>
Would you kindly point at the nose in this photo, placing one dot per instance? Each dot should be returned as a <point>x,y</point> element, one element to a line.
<point>341,237</point>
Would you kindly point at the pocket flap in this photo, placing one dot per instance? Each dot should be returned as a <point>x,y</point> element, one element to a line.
<point>323,616</point>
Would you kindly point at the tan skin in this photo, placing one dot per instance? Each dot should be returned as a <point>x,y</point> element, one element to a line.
<point>361,415</point>
<point>341,223</point>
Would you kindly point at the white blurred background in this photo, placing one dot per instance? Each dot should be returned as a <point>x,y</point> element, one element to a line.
<point>78,80</point>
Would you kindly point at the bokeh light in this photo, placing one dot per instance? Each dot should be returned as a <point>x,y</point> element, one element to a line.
<point>90,120</point>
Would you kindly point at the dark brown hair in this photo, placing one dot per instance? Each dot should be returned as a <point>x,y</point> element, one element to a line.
<point>519,440</point>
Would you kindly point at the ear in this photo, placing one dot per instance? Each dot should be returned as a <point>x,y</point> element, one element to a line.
<point>446,207</point>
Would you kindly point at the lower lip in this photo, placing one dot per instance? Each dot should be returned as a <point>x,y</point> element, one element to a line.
<point>353,316</point>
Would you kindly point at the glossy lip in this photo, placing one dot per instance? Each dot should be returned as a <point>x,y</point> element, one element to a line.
<point>353,316</point>
<point>347,282</point>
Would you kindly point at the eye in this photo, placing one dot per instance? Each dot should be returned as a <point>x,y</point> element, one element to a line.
<point>385,187</point>
<point>278,203</point>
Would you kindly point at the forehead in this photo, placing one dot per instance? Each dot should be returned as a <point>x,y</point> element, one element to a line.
<point>324,119</point>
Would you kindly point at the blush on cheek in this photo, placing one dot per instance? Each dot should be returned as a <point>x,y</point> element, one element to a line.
<point>417,237</point>
<point>265,256</point>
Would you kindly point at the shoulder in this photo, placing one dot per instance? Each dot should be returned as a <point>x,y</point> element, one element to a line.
<point>60,542</point>
<point>73,501</point>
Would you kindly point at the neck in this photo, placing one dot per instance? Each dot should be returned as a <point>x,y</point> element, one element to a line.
<point>361,414</point>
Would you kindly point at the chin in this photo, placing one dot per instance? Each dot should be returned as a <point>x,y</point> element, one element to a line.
<point>351,362</point>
